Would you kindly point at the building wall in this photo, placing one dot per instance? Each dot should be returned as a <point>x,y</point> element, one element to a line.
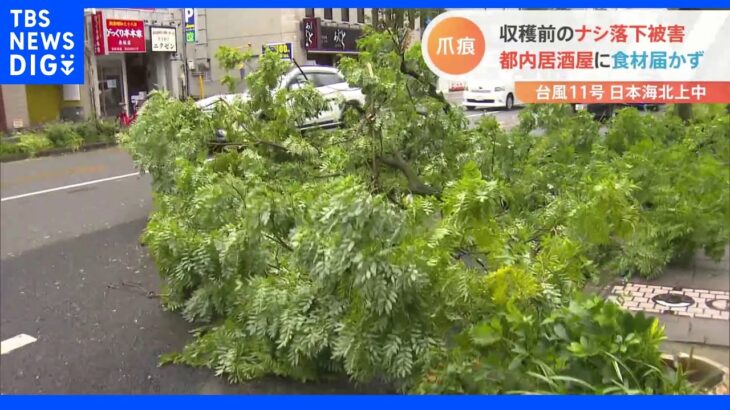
<point>15,105</point>
<point>44,103</point>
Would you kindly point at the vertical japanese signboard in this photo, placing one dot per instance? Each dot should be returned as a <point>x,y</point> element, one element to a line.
<point>97,32</point>
<point>311,33</point>
<point>190,34</point>
<point>126,36</point>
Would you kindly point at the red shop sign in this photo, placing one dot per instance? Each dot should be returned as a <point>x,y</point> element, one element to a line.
<point>97,31</point>
<point>126,36</point>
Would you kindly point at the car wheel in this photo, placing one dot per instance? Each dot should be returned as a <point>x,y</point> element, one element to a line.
<point>469,107</point>
<point>510,102</point>
<point>609,113</point>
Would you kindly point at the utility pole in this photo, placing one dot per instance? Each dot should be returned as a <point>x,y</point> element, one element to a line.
<point>185,54</point>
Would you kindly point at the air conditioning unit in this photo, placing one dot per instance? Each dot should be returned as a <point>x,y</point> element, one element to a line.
<point>202,66</point>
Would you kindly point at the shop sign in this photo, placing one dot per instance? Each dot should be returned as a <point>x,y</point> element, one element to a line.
<point>311,33</point>
<point>319,37</point>
<point>339,38</point>
<point>97,31</point>
<point>126,36</point>
<point>164,39</point>
<point>283,49</point>
<point>190,35</point>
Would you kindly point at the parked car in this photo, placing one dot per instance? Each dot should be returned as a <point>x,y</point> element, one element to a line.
<point>327,80</point>
<point>486,94</point>
<point>602,112</point>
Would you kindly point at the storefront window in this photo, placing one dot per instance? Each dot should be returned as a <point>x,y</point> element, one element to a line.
<point>309,12</point>
<point>361,16</point>
<point>328,14</point>
<point>345,14</point>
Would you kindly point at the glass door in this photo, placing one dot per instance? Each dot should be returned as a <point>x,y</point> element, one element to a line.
<point>110,87</point>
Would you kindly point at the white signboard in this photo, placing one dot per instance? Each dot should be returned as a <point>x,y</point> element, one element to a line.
<point>164,39</point>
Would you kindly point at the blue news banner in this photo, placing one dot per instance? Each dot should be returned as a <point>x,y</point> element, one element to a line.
<point>365,402</point>
<point>42,45</point>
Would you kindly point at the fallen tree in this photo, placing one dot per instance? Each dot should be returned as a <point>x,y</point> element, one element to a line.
<point>333,253</point>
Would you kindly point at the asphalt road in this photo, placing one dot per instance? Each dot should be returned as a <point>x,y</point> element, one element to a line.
<point>74,278</point>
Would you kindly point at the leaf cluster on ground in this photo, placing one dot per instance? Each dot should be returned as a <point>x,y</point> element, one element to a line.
<point>410,248</point>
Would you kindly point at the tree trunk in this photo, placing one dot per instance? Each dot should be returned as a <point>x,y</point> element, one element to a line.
<point>684,111</point>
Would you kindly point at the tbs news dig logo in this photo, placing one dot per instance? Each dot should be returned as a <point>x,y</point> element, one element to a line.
<point>43,49</point>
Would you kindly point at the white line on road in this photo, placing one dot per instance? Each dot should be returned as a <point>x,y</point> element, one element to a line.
<point>61,188</point>
<point>15,342</point>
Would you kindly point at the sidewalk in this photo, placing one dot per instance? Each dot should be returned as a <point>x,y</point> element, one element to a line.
<point>696,316</point>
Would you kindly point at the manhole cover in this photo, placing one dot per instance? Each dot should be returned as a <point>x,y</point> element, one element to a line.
<point>722,305</point>
<point>673,300</point>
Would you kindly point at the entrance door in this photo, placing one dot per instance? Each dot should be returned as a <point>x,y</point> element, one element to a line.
<point>110,86</point>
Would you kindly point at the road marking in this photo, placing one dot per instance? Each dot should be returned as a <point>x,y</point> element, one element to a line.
<point>15,342</point>
<point>54,174</point>
<point>65,187</point>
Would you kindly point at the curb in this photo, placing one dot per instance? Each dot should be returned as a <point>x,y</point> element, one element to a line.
<point>718,373</point>
<point>57,151</point>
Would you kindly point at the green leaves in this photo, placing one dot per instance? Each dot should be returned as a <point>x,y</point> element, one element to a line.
<point>408,247</point>
<point>487,334</point>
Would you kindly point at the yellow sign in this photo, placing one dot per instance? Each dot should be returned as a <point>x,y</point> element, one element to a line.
<point>283,49</point>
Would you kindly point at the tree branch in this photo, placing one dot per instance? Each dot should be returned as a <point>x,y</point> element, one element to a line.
<point>279,241</point>
<point>431,89</point>
<point>415,185</point>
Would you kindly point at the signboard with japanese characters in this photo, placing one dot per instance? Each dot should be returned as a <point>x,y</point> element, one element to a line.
<point>311,33</point>
<point>586,56</point>
<point>164,39</point>
<point>337,38</point>
<point>97,32</point>
<point>283,49</point>
<point>126,36</point>
<point>330,38</point>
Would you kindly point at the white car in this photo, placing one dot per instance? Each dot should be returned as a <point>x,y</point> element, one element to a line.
<point>327,80</point>
<point>485,94</point>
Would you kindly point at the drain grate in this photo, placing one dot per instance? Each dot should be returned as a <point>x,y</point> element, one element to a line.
<point>673,300</point>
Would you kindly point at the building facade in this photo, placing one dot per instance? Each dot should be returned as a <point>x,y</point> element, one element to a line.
<point>130,53</point>
<point>309,36</point>
<point>253,29</point>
